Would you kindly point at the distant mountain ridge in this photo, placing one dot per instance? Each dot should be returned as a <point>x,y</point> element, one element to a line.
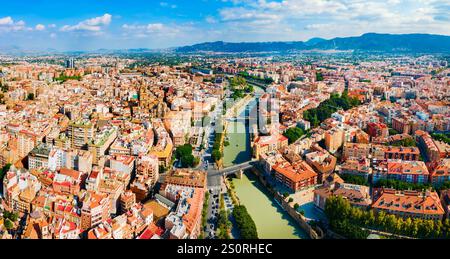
<point>423,43</point>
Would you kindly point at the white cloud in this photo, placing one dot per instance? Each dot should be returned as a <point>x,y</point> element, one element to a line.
<point>151,28</point>
<point>303,19</point>
<point>7,24</point>
<point>210,20</point>
<point>40,27</point>
<point>6,21</point>
<point>95,24</point>
<point>165,4</point>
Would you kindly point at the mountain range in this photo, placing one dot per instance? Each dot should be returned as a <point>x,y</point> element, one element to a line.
<point>369,42</point>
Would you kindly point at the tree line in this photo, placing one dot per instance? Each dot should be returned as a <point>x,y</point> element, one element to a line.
<point>325,109</point>
<point>352,222</point>
<point>245,223</point>
<point>293,134</point>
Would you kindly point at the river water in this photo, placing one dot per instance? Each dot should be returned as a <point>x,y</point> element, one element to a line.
<point>270,219</point>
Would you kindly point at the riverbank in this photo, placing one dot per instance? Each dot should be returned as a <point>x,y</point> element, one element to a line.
<point>270,219</point>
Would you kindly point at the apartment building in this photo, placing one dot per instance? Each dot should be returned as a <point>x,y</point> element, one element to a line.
<point>409,204</point>
<point>356,166</point>
<point>356,150</point>
<point>80,133</point>
<point>96,208</point>
<point>334,139</point>
<point>441,173</point>
<point>357,195</point>
<point>296,176</point>
<point>19,189</point>
<point>396,169</point>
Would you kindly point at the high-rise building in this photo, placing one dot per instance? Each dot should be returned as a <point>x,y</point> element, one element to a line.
<point>27,141</point>
<point>96,208</point>
<point>80,133</point>
<point>70,63</point>
<point>334,139</point>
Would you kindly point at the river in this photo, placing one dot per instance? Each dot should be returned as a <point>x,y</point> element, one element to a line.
<point>270,219</point>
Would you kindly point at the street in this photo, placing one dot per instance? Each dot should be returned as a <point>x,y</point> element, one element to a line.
<point>213,211</point>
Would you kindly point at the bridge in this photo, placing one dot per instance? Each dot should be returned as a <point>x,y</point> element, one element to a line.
<point>214,175</point>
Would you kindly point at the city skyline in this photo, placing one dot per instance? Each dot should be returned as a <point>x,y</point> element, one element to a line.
<point>89,25</point>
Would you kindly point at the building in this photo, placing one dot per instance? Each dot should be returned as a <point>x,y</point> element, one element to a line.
<point>186,177</point>
<point>445,201</point>
<point>356,150</point>
<point>70,63</point>
<point>426,143</point>
<point>80,133</point>
<point>122,163</point>
<point>127,200</point>
<point>441,173</point>
<point>376,130</point>
<point>164,146</point>
<point>26,142</point>
<point>401,125</point>
<point>100,145</point>
<point>68,181</point>
<point>362,137</point>
<point>357,195</point>
<point>112,183</point>
<point>265,144</point>
<point>147,175</point>
<point>76,159</point>
<point>19,189</point>
<point>396,169</point>
<point>39,156</point>
<point>334,139</point>
<point>403,153</point>
<point>96,208</point>
<point>409,204</point>
<point>355,166</point>
<point>185,221</point>
<point>296,176</point>
<point>323,163</point>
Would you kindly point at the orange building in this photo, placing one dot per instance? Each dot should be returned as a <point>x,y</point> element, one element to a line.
<point>441,173</point>
<point>409,204</point>
<point>265,144</point>
<point>296,176</point>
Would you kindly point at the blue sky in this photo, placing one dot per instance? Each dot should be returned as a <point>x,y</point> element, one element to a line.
<point>114,24</point>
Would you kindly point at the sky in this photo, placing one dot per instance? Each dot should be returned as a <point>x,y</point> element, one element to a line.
<point>122,24</point>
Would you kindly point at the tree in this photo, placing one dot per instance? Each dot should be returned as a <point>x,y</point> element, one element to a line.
<point>444,137</point>
<point>408,142</point>
<point>14,216</point>
<point>184,153</point>
<point>293,134</point>
<point>291,199</point>
<point>319,76</point>
<point>296,206</point>
<point>3,171</point>
<point>216,155</point>
<point>354,179</point>
<point>8,224</point>
<point>245,223</point>
<point>30,96</point>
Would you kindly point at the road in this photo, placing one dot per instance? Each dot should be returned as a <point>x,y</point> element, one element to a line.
<point>215,176</point>
<point>213,211</point>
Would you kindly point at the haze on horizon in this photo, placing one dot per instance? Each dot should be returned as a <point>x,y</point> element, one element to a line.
<point>116,24</point>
